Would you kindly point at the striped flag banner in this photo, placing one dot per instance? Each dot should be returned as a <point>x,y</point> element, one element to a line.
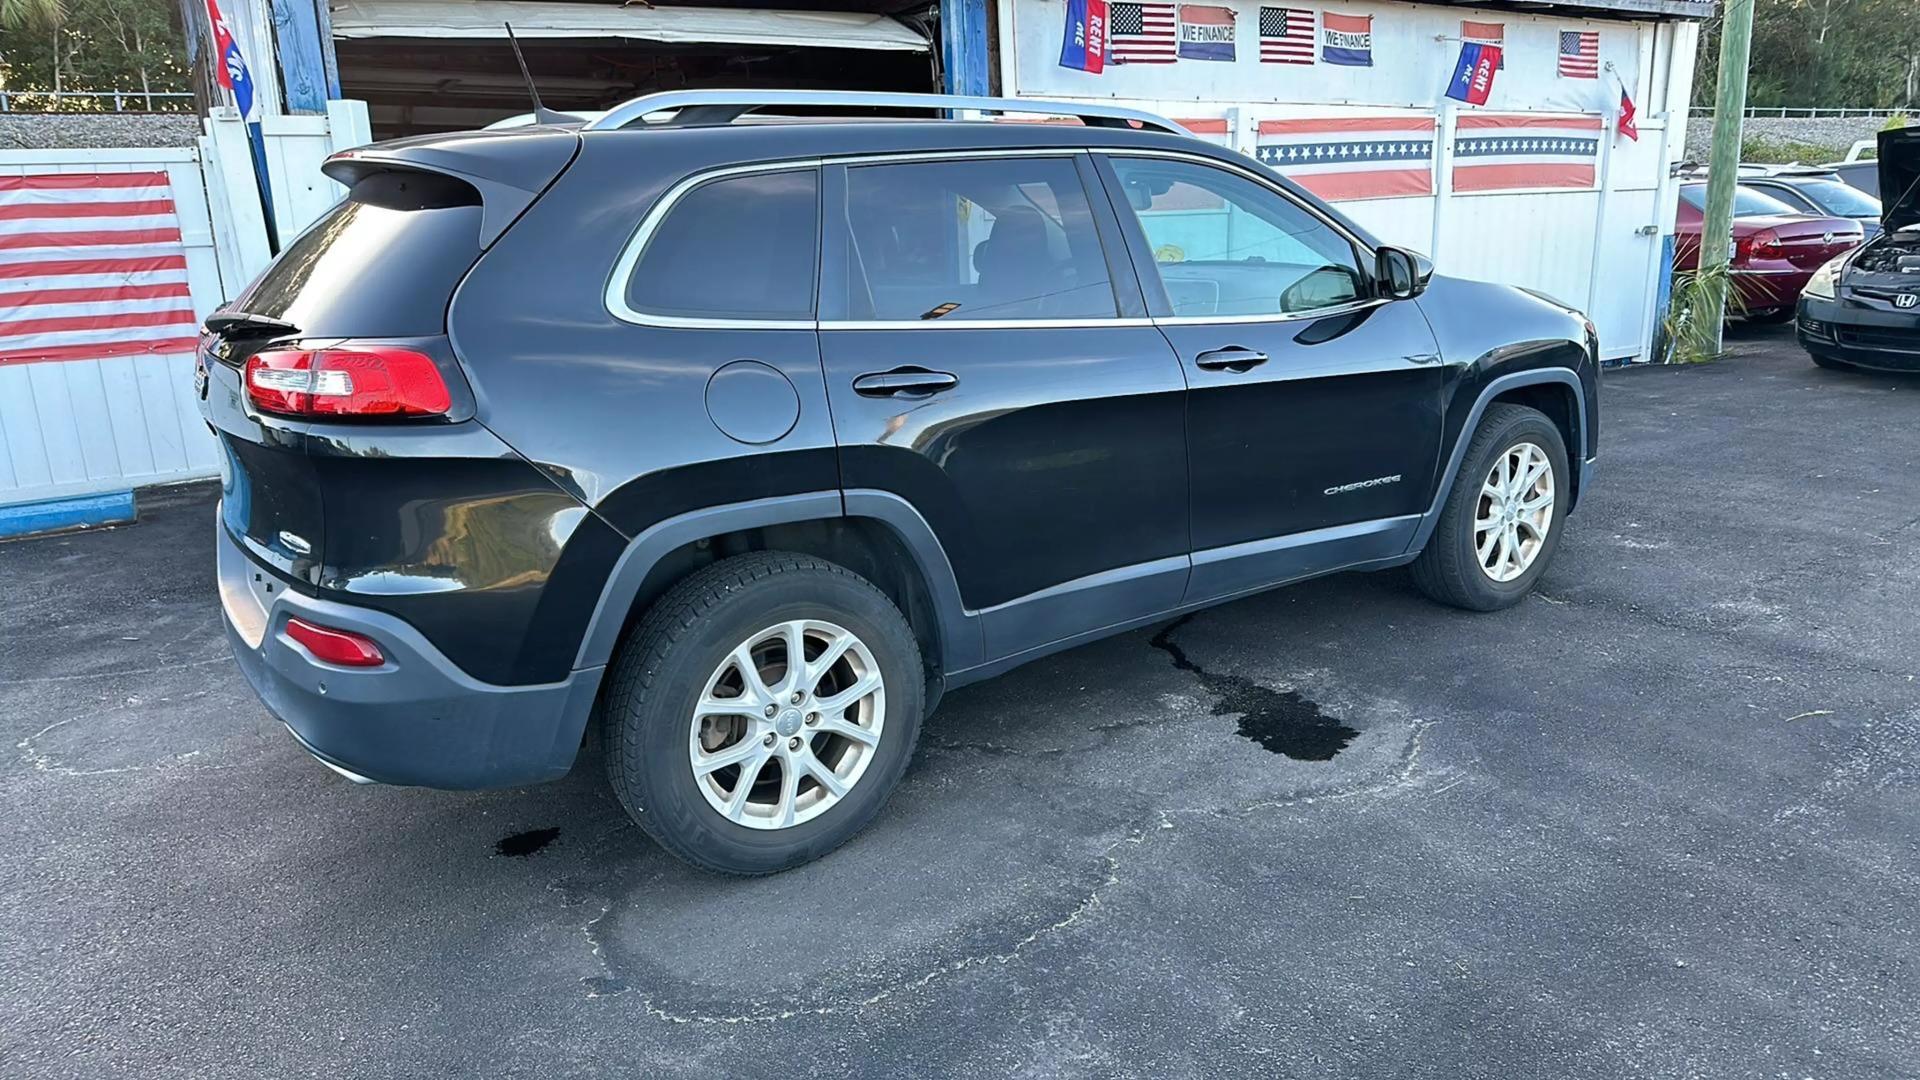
<point>91,266</point>
<point>1506,152</point>
<point>1579,54</point>
<point>1352,157</point>
<point>1213,129</point>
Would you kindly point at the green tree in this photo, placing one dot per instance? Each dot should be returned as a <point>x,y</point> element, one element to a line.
<point>1826,54</point>
<point>89,45</point>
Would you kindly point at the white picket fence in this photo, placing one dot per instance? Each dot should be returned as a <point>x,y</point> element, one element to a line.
<point>84,427</point>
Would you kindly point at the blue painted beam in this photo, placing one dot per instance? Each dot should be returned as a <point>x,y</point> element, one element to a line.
<point>965,59</point>
<point>304,54</point>
<point>53,515</point>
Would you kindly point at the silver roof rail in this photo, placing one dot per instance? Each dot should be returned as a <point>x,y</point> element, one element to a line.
<point>704,107</point>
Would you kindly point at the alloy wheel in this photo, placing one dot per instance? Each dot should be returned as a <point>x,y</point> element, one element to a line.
<point>1514,512</point>
<point>787,724</point>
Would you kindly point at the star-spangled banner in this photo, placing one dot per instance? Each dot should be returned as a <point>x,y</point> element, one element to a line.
<point>1352,157</point>
<point>1508,152</point>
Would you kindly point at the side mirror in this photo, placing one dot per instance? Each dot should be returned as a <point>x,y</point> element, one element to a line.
<point>1402,274</point>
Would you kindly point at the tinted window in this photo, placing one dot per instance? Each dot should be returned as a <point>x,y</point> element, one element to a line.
<point>1747,202</point>
<point>739,248</point>
<point>1226,245</point>
<point>382,263</point>
<point>995,238</point>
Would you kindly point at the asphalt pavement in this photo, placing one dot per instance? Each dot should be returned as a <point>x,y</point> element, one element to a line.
<point>1658,820</point>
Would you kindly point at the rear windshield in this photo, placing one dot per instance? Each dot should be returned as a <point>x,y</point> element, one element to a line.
<point>1837,198</point>
<point>381,263</point>
<point>1746,201</point>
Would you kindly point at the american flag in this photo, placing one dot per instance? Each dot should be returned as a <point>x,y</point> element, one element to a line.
<point>91,266</point>
<point>1140,34</point>
<point>1579,54</point>
<point>1286,35</point>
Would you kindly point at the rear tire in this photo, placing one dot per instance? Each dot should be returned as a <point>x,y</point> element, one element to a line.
<point>1774,317</point>
<point>1458,566</point>
<point>681,699</point>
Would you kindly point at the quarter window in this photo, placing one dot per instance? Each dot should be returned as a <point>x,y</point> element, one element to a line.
<point>1226,246</point>
<point>959,241</point>
<point>741,247</point>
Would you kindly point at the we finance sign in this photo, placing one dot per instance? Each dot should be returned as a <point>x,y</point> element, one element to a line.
<point>1206,32</point>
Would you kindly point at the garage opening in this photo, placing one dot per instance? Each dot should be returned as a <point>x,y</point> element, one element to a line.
<point>426,66</point>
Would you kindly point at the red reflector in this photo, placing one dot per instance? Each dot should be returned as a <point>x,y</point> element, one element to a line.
<point>360,381</point>
<point>335,646</point>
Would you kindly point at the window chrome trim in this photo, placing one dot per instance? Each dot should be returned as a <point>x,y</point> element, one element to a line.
<point>623,268</point>
<point>981,324</point>
<point>616,298</point>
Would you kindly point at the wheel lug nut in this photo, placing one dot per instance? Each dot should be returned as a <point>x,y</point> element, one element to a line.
<point>813,718</point>
<point>793,743</point>
<point>771,710</point>
<point>768,741</point>
<point>798,697</point>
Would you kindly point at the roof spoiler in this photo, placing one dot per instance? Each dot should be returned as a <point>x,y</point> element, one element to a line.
<point>508,169</point>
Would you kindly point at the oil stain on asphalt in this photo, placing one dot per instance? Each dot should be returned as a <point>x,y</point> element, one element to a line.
<point>1281,721</point>
<point>522,844</point>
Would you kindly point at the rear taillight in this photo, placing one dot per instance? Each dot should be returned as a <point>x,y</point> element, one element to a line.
<point>332,646</point>
<point>368,380</point>
<point>1764,244</point>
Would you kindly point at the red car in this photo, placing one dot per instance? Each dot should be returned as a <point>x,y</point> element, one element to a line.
<point>1775,248</point>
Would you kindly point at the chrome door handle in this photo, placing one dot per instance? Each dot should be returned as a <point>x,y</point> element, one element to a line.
<point>904,382</point>
<point>1232,358</point>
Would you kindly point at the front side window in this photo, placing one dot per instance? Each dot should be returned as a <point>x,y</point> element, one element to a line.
<point>969,240</point>
<point>1227,246</point>
<point>741,247</point>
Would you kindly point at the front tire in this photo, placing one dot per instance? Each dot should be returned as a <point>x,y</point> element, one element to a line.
<point>735,758</point>
<point>1501,522</point>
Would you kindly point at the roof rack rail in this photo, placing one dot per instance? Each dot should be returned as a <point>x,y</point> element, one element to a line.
<point>716,107</point>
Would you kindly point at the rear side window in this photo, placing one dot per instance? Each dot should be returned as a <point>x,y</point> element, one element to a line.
<point>743,247</point>
<point>382,263</point>
<point>994,238</point>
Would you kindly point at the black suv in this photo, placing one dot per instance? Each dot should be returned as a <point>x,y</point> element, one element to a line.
<point>741,442</point>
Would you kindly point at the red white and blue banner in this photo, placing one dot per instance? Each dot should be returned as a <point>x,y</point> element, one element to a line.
<point>1521,152</point>
<point>1475,32</point>
<point>91,266</point>
<point>1213,129</point>
<point>1084,46</point>
<point>1579,54</point>
<point>1352,157</point>
<point>1473,75</point>
<point>1206,32</point>
<point>1346,40</point>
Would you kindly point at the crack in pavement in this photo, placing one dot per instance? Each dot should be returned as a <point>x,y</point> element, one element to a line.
<point>49,763</point>
<point>1284,722</point>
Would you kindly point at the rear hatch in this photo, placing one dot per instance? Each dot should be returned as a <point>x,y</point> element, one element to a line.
<point>362,293</point>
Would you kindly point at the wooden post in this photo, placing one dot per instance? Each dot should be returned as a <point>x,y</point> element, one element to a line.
<point>1723,166</point>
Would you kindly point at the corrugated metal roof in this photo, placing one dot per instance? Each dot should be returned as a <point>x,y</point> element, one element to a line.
<point>536,19</point>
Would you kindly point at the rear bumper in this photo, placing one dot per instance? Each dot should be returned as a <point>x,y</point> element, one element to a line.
<point>417,718</point>
<point>1770,289</point>
<point>1865,337</point>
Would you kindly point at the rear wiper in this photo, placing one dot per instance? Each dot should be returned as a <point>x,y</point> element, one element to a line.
<point>246,322</point>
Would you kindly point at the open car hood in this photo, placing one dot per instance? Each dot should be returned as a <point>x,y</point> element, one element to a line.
<point>1900,178</point>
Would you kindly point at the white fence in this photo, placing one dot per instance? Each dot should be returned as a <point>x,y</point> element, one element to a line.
<point>75,427</point>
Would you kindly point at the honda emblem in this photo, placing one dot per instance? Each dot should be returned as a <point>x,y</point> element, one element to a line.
<point>1906,300</point>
